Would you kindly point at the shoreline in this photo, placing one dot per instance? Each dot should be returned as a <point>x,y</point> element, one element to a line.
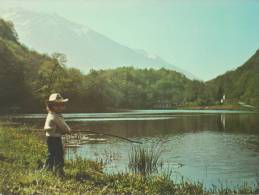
<point>217,107</point>
<point>189,108</point>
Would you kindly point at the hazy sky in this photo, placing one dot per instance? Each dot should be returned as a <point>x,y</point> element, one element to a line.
<point>204,37</point>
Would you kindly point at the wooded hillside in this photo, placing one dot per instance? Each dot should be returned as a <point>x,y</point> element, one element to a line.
<point>240,84</point>
<point>28,77</point>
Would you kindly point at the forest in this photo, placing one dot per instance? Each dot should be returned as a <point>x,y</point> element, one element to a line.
<point>27,77</point>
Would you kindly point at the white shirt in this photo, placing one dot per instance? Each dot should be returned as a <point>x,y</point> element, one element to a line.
<point>55,125</point>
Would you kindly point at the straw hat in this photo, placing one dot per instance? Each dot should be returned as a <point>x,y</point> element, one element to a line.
<point>57,98</point>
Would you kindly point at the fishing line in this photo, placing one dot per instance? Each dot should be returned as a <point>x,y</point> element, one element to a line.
<point>111,135</point>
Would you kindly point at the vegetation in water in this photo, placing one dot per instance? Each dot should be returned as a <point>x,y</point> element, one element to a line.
<point>20,173</point>
<point>145,159</point>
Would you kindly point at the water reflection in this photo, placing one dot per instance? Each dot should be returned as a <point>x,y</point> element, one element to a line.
<point>246,123</point>
<point>223,120</point>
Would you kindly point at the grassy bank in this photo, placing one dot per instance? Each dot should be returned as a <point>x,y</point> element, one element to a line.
<point>20,151</point>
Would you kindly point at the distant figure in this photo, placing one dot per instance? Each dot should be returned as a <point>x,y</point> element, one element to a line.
<point>223,99</point>
<point>55,126</point>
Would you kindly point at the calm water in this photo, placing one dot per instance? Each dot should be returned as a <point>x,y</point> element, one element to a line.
<point>214,147</point>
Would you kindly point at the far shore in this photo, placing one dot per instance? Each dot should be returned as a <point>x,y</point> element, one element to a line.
<point>232,107</point>
<point>217,107</point>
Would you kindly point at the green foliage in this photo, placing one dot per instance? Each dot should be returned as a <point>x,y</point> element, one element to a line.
<point>7,31</point>
<point>257,88</point>
<point>240,84</point>
<point>27,78</point>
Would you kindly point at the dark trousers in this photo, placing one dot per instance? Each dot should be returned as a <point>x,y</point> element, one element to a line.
<point>55,158</point>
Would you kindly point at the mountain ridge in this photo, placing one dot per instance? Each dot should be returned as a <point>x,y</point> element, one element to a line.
<point>85,48</point>
<point>25,77</point>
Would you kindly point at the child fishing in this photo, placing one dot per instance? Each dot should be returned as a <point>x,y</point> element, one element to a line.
<point>55,126</point>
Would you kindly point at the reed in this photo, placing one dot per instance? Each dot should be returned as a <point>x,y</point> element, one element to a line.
<point>145,159</point>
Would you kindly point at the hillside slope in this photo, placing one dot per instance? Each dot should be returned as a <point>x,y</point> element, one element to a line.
<point>85,48</point>
<point>27,78</point>
<point>240,84</point>
<point>20,72</point>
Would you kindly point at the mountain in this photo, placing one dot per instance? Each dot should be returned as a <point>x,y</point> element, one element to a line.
<point>28,77</point>
<point>240,84</point>
<point>85,48</point>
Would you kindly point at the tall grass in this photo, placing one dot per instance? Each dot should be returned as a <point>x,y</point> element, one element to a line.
<point>145,159</point>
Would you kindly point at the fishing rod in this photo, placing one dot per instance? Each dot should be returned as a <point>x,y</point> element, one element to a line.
<point>106,134</point>
<point>93,132</point>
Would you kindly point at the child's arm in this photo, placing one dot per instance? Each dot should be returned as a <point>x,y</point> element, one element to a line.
<point>62,125</point>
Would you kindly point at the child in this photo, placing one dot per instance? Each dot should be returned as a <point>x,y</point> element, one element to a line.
<point>55,126</point>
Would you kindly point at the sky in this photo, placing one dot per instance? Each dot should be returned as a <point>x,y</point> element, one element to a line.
<point>204,37</point>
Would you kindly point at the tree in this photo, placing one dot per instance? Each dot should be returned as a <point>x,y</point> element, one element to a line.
<point>7,31</point>
<point>50,75</point>
<point>13,90</point>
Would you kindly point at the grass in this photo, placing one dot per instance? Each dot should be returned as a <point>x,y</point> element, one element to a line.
<point>145,159</point>
<point>20,151</point>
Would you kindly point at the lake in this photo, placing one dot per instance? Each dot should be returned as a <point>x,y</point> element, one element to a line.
<point>213,147</point>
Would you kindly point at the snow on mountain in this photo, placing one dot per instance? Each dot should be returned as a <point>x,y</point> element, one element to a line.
<point>85,48</point>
